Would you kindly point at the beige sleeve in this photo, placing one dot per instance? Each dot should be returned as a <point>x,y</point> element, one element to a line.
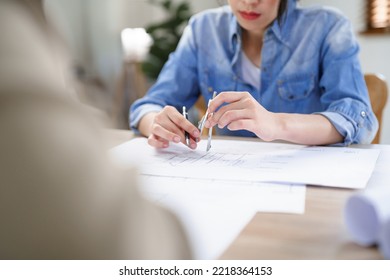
<point>60,196</point>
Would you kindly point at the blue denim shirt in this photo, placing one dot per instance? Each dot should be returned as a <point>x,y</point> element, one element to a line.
<point>309,65</point>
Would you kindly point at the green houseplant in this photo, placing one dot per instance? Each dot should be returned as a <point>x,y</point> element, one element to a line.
<point>166,34</point>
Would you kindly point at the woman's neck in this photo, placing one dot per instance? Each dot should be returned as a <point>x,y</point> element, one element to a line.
<point>252,44</point>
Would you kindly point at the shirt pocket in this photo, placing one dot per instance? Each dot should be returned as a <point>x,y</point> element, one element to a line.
<point>296,88</point>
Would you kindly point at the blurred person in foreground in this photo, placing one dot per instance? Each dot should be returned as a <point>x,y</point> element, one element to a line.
<point>60,197</point>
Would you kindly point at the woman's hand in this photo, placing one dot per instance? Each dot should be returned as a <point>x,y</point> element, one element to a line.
<point>166,126</point>
<point>239,110</point>
<point>242,111</point>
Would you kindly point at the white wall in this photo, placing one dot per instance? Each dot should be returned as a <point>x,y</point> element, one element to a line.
<point>108,18</point>
<point>92,29</point>
<point>69,18</point>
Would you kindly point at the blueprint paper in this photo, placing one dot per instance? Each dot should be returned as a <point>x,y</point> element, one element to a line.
<point>254,161</point>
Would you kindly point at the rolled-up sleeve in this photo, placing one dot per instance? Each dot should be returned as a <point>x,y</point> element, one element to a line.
<point>344,92</point>
<point>352,120</point>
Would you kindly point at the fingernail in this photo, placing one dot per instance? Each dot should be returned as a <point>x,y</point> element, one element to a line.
<point>193,146</point>
<point>165,145</point>
<point>176,139</point>
<point>195,133</point>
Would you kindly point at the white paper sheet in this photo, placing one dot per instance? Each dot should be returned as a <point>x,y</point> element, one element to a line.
<point>255,161</point>
<point>214,212</point>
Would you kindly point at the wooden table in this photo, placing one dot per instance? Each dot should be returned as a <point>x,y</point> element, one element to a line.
<point>319,233</point>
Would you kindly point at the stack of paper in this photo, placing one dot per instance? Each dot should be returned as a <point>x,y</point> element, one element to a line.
<point>255,161</point>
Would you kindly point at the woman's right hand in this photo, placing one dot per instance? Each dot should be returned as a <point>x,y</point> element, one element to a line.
<point>166,126</point>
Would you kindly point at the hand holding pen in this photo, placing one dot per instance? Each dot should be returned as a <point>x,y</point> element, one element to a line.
<point>169,125</point>
<point>241,111</point>
<point>186,134</point>
<point>203,120</point>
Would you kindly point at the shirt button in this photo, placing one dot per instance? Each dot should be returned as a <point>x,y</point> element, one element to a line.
<point>210,89</point>
<point>363,114</point>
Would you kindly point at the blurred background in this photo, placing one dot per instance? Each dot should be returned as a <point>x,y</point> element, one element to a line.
<point>115,75</point>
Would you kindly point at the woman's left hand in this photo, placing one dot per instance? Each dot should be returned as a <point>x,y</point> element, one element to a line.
<point>242,112</point>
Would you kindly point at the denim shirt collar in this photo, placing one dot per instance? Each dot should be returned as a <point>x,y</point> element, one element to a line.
<point>282,29</point>
<point>235,38</point>
<point>279,30</point>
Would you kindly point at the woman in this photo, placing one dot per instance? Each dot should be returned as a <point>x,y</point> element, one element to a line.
<point>281,72</point>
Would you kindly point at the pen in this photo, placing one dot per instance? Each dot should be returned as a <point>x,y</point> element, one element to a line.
<point>187,135</point>
<point>210,129</point>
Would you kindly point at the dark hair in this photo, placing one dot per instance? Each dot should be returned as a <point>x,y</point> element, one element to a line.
<point>282,10</point>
